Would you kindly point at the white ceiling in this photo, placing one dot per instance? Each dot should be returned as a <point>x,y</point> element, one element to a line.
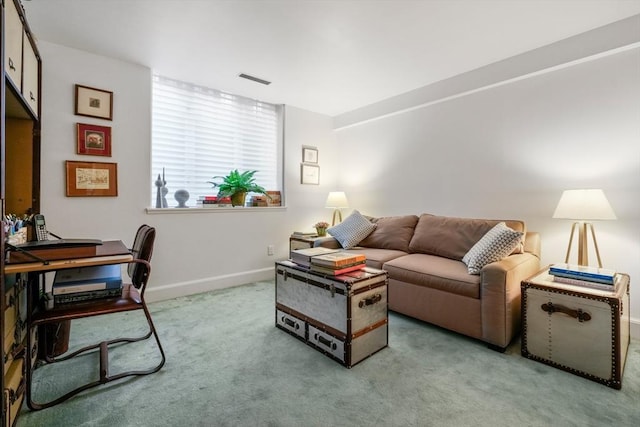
<point>327,56</point>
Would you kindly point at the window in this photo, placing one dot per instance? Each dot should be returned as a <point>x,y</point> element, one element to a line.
<point>199,133</point>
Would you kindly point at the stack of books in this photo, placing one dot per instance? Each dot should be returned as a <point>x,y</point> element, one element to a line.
<point>213,201</point>
<point>87,283</point>
<point>275,200</point>
<point>303,234</point>
<point>591,277</point>
<point>303,256</point>
<point>259,201</point>
<point>337,263</point>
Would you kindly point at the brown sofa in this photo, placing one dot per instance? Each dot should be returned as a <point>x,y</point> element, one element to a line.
<point>429,281</point>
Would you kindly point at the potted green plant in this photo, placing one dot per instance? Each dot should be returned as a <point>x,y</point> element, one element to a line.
<point>236,185</point>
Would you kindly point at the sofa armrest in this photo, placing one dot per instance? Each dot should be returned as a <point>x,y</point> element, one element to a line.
<point>500,296</point>
<point>327,242</point>
<point>532,243</point>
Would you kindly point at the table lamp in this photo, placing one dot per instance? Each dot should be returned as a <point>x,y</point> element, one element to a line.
<point>583,206</point>
<point>336,200</point>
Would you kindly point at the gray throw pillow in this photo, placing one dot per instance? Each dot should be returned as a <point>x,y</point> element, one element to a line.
<point>499,242</point>
<point>352,230</point>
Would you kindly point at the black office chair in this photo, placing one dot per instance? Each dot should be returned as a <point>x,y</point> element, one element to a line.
<point>132,298</point>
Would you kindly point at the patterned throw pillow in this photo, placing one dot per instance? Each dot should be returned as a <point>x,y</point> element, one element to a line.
<point>499,242</point>
<point>352,230</point>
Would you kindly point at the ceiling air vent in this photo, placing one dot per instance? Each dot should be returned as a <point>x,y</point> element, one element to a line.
<point>255,79</point>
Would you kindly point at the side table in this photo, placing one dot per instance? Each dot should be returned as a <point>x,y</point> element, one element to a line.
<point>578,329</point>
<point>303,242</point>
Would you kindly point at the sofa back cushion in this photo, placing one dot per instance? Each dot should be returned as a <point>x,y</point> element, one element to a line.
<point>393,232</point>
<point>452,237</point>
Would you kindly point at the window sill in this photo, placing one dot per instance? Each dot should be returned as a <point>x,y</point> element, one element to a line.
<point>174,210</point>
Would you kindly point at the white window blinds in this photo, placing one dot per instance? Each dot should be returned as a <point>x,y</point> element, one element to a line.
<point>199,133</point>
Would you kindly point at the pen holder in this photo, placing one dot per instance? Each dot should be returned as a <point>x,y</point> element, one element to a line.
<point>18,237</point>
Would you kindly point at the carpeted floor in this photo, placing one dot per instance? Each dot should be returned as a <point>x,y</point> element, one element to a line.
<point>227,365</point>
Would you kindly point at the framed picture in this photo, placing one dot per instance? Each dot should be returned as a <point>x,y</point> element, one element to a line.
<point>94,140</point>
<point>92,102</point>
<point>309,174</point>
<point>91,179</point>
<point>309,154</point>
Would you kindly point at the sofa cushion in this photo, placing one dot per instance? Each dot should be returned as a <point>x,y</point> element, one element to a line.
<point>499,242</point>
<point>434,272</point>
<point>452,237</point>
<point>392,232</point>
<point>352,230</point>
<point>377,257</point>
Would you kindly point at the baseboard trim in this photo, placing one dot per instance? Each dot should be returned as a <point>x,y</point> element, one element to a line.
<point>634,328</point>
<point>181,289</point>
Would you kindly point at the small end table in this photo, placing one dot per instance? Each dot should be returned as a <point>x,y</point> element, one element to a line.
<point>576,328</point>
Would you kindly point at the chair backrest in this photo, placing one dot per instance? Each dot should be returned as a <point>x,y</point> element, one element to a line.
<point>142,249</point>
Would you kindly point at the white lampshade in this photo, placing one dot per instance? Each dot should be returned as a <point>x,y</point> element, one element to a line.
<point>337,200</point>
<point>583,205</point>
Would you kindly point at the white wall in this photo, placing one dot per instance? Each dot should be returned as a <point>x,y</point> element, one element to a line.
<point>509,151</point>
<point>504,152</point>
<point>195,251</point>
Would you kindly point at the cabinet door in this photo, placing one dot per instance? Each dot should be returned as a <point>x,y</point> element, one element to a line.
<point>13,43</point>
<point>30,76</point>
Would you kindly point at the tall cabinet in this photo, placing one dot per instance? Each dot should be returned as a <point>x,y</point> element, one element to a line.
<point>19,187</point>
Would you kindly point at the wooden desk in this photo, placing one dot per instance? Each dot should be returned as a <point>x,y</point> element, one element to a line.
<point>110,252</point>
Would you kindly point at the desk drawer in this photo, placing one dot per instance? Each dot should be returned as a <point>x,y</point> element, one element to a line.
<point>9,311</point>
<point>15,319</point>
<point>14,391</point>
<point>12,347</point>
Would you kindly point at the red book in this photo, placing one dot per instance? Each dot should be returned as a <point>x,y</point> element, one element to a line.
<point>337,272</point>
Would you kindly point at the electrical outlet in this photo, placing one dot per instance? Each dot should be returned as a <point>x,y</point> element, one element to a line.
<point>270,250</point>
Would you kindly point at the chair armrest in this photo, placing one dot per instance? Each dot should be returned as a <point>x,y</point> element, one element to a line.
<point>327,242</point>
<point>500,296</point>
<point>139,271</point>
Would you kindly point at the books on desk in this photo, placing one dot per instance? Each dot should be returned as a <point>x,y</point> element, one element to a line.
<point>87,283</point>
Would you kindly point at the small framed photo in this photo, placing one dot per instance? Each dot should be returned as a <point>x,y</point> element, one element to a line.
<point>309,154</point>
<point>92,102</point>
<point>94,140</point>
<point>309,174</point>
<point>91,179</point>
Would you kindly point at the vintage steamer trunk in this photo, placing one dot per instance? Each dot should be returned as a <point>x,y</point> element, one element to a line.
<point>575,328</point>
<point>343,317</point>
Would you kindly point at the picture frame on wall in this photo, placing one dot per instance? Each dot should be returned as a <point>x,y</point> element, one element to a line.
<point>93,140</point>
<point>86,179</point>
<point>309,154</point>
<point>92,102</point>
<point>309,174</point>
